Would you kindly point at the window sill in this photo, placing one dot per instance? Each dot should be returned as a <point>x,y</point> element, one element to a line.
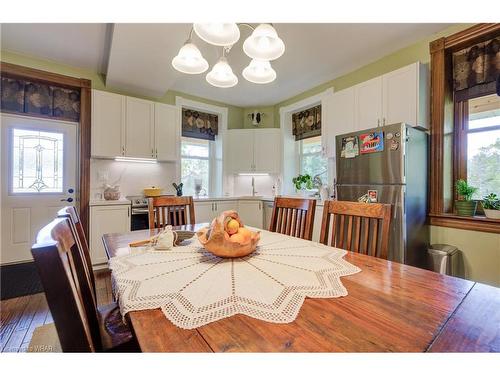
<point>475,223</point>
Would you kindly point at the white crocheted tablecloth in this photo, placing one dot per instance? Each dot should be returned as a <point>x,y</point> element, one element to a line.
<point>194,287</point>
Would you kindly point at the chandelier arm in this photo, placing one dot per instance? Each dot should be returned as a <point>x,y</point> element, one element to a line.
<point>247,25</point>
<point>191,34</point>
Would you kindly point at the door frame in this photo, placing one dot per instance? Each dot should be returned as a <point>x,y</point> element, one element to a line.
<point>83,132</point>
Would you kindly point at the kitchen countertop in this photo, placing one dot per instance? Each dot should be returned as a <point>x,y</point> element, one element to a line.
<point>103,202</point>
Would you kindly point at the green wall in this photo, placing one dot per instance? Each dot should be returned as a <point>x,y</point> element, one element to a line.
<point>235,114</point>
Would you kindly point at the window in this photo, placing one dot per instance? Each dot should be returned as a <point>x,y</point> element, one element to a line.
<point>312,161</point>
<point>195,166</point>
<point>483,145</point>
<point>37,161</point>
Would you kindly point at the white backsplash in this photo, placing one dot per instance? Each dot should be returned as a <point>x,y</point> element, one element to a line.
<point>132,177</point>
<point>242,185</point>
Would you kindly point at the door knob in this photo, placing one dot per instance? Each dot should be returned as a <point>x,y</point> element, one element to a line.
<point>67,200</point>
<point>71,190</point>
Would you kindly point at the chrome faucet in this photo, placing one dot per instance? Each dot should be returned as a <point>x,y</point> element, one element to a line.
<point>253,187</point>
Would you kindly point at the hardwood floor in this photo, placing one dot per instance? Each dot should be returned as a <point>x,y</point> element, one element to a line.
<point>20,316</point>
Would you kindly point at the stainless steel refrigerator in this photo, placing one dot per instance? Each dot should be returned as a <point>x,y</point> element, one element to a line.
<point>392,163</point>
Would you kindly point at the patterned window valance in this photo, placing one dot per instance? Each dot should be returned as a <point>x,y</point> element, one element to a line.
<point>307,123</point>
<point>39,99</point>
<point>200,125</point>
<point>476,65</point>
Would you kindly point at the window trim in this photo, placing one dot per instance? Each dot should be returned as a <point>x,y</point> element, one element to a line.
<point>441,122</point>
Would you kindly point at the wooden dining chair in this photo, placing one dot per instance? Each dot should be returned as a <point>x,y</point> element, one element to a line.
<point>80,325</point>
<point>166,210</point>
<point>70,213</point>
<point>293,217</point>
<point>357,227</point>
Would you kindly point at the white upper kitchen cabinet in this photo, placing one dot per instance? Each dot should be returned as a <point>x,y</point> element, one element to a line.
<point>167,132</point>
<point>368,105</point>
<point>108,124</point>
<point>139,127</point>
<point>267,150</point>
<point>404,96</point>
<point>250,150</point>
<point>251,213</point>
<point>338,118</point>
<point>239,150</point>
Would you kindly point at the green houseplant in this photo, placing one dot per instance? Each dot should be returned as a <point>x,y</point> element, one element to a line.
<point>466,206</point>
<point>491,206</point>
<point>303,182</point>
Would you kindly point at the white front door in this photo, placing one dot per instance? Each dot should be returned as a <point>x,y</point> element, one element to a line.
<point>38,177</point>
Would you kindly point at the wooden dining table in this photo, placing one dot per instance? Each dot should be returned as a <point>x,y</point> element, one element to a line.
<point>390,307</point>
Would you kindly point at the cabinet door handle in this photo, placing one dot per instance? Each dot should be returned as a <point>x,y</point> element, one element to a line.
<point>378,122</point>
<point>383,121</point>
<point>123,150</point>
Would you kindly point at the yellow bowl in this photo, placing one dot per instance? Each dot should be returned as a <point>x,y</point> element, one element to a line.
<point>152,192</point>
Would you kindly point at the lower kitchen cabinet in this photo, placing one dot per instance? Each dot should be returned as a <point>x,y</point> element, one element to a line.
<point>205,212</point>
<point>318,217</point>
<point>251,213</point>
<point>106,219</point>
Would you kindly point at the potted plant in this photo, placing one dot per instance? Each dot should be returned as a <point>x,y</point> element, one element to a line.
<point>303,182</point>
<point>491,206</point>
<point>466,206</point>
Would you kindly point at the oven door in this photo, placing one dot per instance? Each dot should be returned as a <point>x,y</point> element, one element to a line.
<point>139,219</point>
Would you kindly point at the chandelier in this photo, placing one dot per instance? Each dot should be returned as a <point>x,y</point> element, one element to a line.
<point>262,46</point>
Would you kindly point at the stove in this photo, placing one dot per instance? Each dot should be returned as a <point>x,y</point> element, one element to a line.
<point>139,215</point>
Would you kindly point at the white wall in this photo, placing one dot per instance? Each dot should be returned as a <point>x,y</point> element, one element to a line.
<point>481,252</point>
<point>134,176</point>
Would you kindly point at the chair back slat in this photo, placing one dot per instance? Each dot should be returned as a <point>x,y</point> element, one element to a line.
<point>293,217</point>
<point>166,210</point>
<point>358,227</point>
<point>76,224</point>
<point>57,261</point>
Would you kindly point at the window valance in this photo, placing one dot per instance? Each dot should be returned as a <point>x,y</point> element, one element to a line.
<point>39,99</point>
<point>199,125</point>
<point>476,65</point>
<point>307,123</point>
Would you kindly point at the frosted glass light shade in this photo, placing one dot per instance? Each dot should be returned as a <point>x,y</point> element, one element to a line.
<point>189,60</point>
<point>218,34</point>
<point>222,75</point>
<point>264,43</point>
<point>259,71</point>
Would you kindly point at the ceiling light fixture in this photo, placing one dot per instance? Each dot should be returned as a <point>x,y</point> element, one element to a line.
<point>259,71</point>
<point>264,43</point>
<point>262,46</point>
<point>189,60</point>
<point>222,75</point>
<point>218,34</point>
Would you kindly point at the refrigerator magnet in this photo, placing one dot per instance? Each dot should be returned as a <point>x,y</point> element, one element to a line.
<point>373,196</point>
<point>394,145</point>
<point>350,148</point>
<point>372,142</point>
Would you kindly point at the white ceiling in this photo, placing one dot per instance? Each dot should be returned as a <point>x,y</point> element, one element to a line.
<point>136,57</point>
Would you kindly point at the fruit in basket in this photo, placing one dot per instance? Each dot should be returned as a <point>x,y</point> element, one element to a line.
<point>232,226</point>
<point>227,239</point>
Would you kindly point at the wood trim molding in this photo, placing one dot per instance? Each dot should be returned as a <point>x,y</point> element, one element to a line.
<point>43,76</point>
<point>84,85</point>
<point>470,35</point>
<point>438,86</point>
<point>475,223</point>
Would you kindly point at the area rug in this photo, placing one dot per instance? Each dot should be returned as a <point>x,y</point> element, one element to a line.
<point>45,340</point>
<point>19,280</point>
